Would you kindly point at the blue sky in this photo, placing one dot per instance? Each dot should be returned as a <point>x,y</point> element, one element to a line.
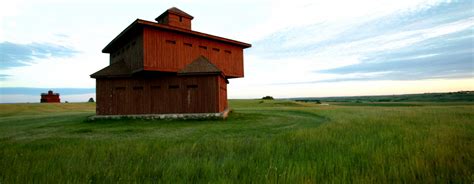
<point>300,48</point>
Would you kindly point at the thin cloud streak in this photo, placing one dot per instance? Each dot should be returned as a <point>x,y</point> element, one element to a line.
<point>14,54</point>
<point>426,43</point>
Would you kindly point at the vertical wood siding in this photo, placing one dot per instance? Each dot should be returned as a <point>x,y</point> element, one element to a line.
<point>174,20</point>
<point>160,95</point>
<point>222,94</point>
<point>170,51</point>
<point>131,53</point>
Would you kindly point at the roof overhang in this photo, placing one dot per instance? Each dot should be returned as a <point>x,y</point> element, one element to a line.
<point>138,24</point>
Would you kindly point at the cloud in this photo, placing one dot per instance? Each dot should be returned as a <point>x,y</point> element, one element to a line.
<point>450,56</point>
<point>61,35</point>
<point>423,43</point>
<point>4,77</point>
<point>366,34</point>
<point>14,54</point>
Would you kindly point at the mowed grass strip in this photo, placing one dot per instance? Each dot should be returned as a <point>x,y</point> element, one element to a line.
<point>261,142</point>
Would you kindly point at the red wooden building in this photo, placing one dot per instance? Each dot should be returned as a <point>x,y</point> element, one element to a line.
<point>50,97</point>
<point>165,67</point>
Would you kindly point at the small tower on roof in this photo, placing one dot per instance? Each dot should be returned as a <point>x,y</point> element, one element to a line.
<point>175,17</point>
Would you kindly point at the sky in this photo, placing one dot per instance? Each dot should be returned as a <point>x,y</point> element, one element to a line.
<point>300,48</point>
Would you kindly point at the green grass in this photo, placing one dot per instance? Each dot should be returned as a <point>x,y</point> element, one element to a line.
<point>269,142</point>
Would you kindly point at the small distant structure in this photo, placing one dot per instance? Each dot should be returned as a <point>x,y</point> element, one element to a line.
<point>50,97</point>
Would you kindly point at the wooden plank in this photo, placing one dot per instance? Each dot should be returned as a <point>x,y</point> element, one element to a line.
<point>171,51</point>
<point>173,94</point>
<point>131,53</point>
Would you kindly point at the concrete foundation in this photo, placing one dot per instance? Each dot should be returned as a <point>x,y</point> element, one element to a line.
<point>190,116</point>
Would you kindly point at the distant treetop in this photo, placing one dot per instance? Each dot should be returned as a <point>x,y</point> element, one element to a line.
<point>267,98</point>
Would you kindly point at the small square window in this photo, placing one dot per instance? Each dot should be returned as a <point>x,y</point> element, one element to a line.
<point>173,86</point>
<point>171,41</point>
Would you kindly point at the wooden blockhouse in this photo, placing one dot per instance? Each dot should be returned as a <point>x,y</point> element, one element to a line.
<point>165,67</point>
<point>50,97</point>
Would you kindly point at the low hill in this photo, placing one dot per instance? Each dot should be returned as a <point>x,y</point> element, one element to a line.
<point>461,96</point>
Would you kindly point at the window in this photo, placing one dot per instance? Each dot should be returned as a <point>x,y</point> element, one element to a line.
<point>180,19</point>
<point>171,41</point>
<point>173,86</point>
<point>188,44</point>
<point>155,87</point>
<point>138,88</point>
<point>119,88</point>
<point>192,86</point>
<point>227,51</point>
<point>202,47</point>
<point>216,49</point>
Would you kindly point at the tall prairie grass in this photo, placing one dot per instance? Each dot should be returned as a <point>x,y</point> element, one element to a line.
<point>269,142</point>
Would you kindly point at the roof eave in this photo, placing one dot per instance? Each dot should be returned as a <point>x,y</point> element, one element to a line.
<point>198,73</point>
<point>109,76</point>
<point>195,33</point>
<point>106,49</point>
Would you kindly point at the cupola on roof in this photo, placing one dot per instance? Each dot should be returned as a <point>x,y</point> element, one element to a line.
<point>175,17</point>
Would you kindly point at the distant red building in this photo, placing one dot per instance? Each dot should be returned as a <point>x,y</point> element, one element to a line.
<point>50,97</point>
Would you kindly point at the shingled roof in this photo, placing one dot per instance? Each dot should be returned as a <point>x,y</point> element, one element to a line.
<point>200,66</point>
<point>118,69</point>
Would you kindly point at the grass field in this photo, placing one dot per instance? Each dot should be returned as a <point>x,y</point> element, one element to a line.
<point>269,142</point>
<point>460,96</point>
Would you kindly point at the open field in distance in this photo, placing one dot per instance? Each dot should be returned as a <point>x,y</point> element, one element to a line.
<point>261,142</point>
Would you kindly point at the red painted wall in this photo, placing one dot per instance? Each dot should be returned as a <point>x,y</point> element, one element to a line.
<point>170,51</point>
<point>159,95</point>
<point>50,97</point>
